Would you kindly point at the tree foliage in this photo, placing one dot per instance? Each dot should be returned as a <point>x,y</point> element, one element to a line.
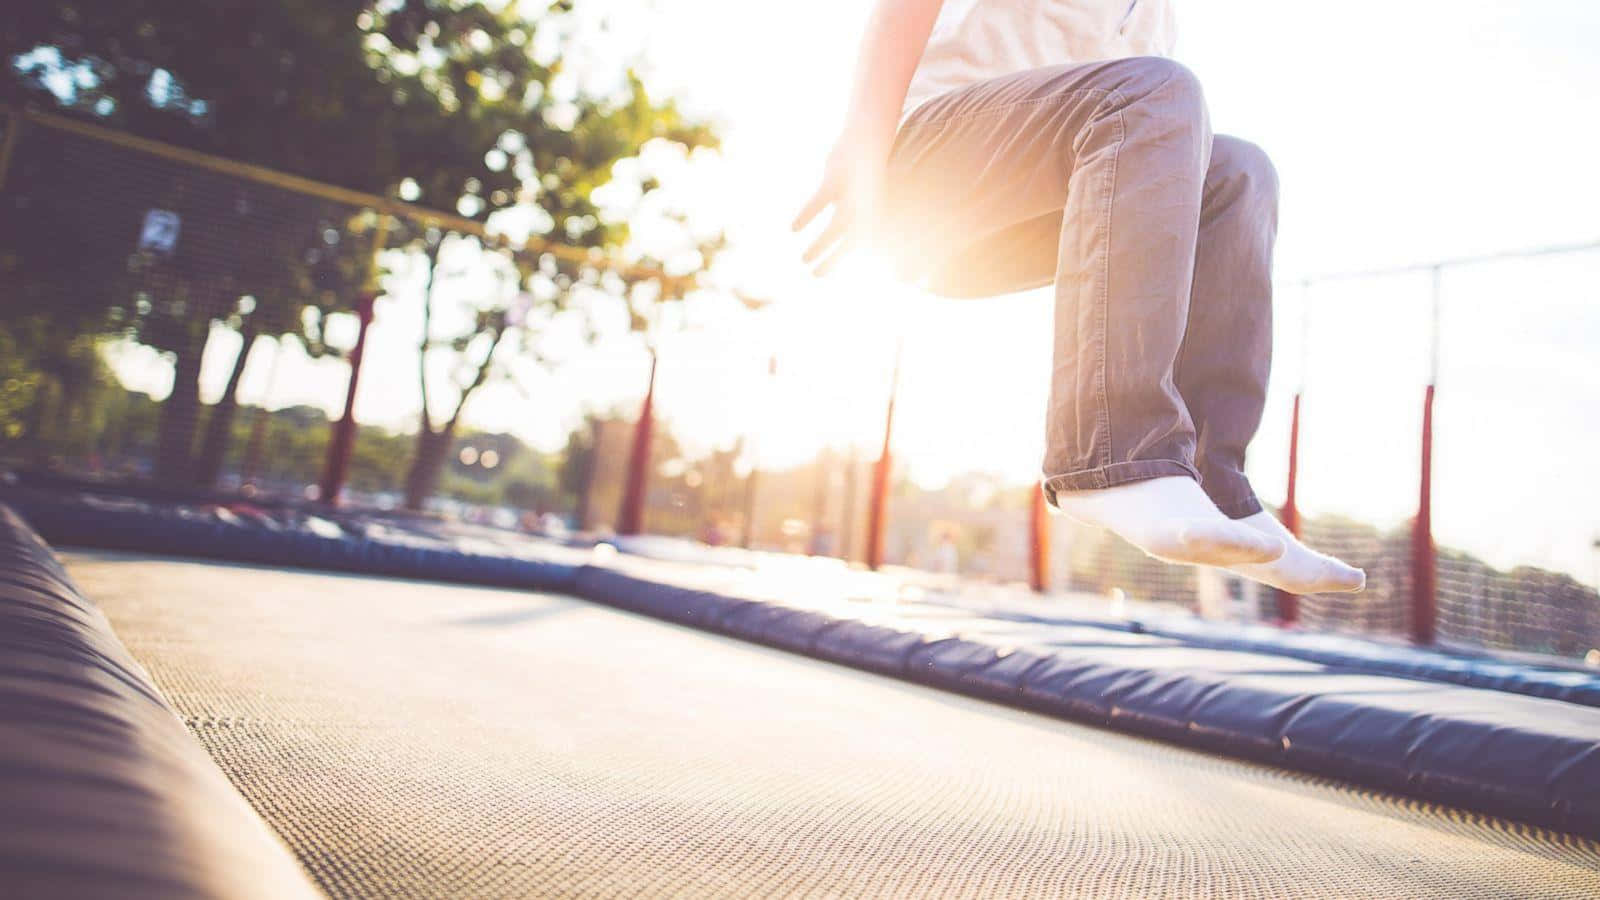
<point>467,106</point>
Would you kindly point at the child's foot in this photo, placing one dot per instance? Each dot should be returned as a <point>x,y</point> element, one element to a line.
<point>1300,570</point>
<point>1170,518</point>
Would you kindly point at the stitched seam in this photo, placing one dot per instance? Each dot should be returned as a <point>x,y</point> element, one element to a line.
<point>1103,312</point>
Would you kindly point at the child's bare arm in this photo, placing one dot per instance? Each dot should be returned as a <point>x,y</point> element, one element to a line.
<point>890,49</point>
<point>852,183</point>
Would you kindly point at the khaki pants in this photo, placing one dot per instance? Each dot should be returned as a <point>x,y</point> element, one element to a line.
<point>1104,179</point>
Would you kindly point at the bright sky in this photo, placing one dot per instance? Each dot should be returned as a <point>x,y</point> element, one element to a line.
<point>1403,132</point>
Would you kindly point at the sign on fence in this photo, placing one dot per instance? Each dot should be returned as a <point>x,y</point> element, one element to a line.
<point>160,231</point>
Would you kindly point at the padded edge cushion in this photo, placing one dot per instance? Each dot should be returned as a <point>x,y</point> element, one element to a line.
<point>685,606</point>
<point>63,521</point>
<point>945,662</point>
<point>1522,757</point>
<point>776,626</point>
<point>1481,749</point>
<point>106,792</point>
<point>1449,665</point>
<point>1364,655</point>
<point>1003,678</point>
<point>876,648</point>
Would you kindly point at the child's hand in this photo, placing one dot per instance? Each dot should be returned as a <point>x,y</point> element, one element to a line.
<point>852,183</point>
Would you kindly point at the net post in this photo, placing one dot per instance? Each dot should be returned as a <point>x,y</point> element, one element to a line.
<point>1424,573</point>
<point>344,431</point>
<point>877,512</point>
<point>337,464</point>
<point>1039,537</point>
<point>630,518</point>
<point>1288,604</point>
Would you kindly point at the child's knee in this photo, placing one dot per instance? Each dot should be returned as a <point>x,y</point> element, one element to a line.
<point>1158,79</point>
<point>1237,161</point>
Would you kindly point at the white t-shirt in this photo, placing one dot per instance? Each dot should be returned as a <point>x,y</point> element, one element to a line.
<point>975,40</point>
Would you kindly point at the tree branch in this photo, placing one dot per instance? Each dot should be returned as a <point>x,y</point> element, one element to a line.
<point>482,376</point>
<point>427,321</point>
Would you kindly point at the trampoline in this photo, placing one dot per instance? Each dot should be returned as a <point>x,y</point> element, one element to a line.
<point>410,738</point>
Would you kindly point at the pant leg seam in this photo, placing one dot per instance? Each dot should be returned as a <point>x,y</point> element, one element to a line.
<point>1103,314</point>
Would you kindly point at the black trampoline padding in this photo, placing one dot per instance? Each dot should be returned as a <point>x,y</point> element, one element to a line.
<point>103,792</point>
<point>130,525</point>
<point>1502,753</point>
<point>423,739</point>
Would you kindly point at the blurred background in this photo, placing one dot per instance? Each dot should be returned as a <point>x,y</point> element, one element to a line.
<point>527,265</point>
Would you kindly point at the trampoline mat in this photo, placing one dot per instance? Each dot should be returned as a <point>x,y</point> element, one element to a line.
<point>418,739</point>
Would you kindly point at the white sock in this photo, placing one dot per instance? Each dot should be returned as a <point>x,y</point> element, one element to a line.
<point>1170,518</point>
<point>1300,570</point>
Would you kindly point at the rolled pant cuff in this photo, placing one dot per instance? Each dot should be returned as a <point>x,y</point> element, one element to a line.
<point>1115,474</point>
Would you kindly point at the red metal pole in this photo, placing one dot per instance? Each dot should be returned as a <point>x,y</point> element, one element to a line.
<point>630,520</point>
<point>1039,532</point>
<point>1424,577</point>
<point>1424,587</point>
<point>344,431</point>
<point>1289,604</point>
<point>877,514</point>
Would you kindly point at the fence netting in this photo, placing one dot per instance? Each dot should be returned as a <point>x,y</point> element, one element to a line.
<point>1513,500</point>
<point>105,241</point>
<point>1516,492</point>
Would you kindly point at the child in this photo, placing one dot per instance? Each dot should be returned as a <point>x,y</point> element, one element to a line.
<point>997,145</point>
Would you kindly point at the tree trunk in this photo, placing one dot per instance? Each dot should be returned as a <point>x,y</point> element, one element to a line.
<point>427,463</point>
<point>175,441</point>
<point>433,447</point>
<point>219,427</point>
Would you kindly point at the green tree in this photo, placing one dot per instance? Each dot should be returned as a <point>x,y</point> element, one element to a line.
<point>285,85</point>
<point>451,103</point>
<point>545,148</point>
<point>18,385</point>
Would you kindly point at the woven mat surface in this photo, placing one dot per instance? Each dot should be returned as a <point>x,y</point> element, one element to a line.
<point>414,739</point>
